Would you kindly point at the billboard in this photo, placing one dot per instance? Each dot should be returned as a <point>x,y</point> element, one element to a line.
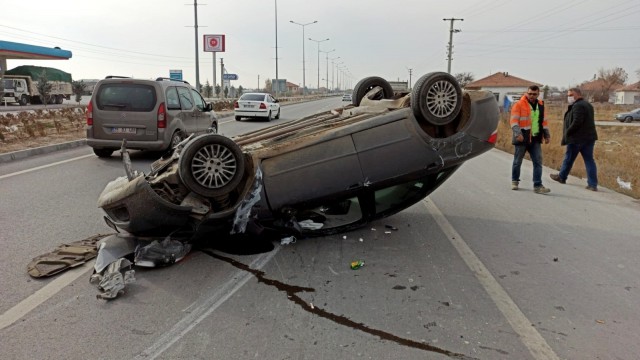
<point>214,43</point>
<point>280,86</point>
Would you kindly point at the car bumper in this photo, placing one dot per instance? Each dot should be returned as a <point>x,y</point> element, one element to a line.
<point>251,113</point>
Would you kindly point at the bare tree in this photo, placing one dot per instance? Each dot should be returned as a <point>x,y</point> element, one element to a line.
<point>464,78</point>
<point>609,79</point>
<point>267,85</point>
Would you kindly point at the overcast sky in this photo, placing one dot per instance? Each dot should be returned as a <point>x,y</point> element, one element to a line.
<point>557,43</point>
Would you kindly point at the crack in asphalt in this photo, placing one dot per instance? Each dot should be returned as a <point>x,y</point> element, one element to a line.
<point>292,294</point>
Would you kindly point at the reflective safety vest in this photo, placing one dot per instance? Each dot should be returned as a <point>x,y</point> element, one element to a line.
<point>521,115</point>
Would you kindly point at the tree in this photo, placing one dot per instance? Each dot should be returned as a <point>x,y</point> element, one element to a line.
<point>232,91</point>
<point>226,91</point>
<point>44,87</point>
<point>267,85</point>
<point>464,78</point>
<point>207,90</point>
<point>240,90</point>
<point>608,78</point>
<point>78,89</point>
<point>218,90</point>
<point>638,74</point>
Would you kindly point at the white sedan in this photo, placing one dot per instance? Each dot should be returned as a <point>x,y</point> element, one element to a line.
<point>256,105</point>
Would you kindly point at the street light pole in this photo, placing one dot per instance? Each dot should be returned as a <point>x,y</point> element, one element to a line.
<point>277,81</point>
<point>319,41</point>
<point>332,72</point>
<point>304,85</point>
<point>327,59</point>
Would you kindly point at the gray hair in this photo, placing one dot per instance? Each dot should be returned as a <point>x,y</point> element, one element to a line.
<point>576,91</point>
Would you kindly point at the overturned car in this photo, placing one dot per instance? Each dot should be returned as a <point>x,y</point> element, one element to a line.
<point>326,173</point>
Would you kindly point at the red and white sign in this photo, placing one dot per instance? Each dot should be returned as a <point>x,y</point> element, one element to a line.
<point>214,43</point>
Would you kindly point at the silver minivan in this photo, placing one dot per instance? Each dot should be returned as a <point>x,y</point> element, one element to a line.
<point>150,114</point>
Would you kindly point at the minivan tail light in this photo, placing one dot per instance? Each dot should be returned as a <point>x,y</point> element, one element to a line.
<point>162,116</point>
<point>89,113</point>
<point>235,105</point>
<point>263,106</point>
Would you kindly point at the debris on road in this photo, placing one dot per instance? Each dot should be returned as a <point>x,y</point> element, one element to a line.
<point>391,227</point>
<point>355,265</point>
<point>114,279</point>
<point>288,240</point>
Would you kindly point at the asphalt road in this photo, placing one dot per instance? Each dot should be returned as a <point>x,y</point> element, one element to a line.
<point>475,271</point>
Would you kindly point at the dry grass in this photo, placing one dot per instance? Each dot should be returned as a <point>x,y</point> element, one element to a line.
<point>617,151</point>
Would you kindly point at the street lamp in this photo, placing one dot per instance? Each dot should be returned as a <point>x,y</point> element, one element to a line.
<point>277,81</point>
<point>332,72</point>
<point>319,41</point>
<point>304,85</point>
<point>327,77</point>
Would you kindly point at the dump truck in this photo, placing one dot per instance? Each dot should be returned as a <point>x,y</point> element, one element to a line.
<point>21,85</point>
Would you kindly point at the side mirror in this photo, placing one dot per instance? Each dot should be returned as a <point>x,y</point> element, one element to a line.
<point>208,107</point>
<point>275,100</point>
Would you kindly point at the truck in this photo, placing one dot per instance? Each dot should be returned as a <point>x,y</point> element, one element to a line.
<point>21,85</point>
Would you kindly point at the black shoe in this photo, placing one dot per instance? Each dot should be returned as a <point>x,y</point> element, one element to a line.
<point>592,188</point>
<point>557,178</point>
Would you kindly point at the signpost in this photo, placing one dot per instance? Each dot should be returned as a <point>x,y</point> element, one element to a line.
<point>230,77</point>
<point>175,75</point>
<point>214,44</point>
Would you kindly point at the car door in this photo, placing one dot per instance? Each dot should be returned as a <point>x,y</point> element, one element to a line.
<point>187,105</point>
<point>273,105</point>
<point>202,119</point>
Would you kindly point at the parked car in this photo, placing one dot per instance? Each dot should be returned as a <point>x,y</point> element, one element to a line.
<point>256,105</point>
<point>323,174</point>
<point>149,114</point>
<point>347,97</point>
<point>629,116</point>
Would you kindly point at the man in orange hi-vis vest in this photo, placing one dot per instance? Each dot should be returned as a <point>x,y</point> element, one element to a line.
<point>529,131</point>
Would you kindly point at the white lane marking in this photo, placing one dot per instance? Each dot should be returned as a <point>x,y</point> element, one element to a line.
<point>529,336</point>
<point>44,166</point>
<point>25,306</point>
<point>209,305</point>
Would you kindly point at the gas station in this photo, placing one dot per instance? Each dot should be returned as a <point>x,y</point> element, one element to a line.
<point>12,50</point>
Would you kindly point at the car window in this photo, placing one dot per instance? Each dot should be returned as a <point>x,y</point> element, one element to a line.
<point>331,215</point>
<point>173,101</point>
<point>198,100</point>
<point>252,97</point>
<point>398,195</point>
<point>186,102</point>
<point>126,97</point>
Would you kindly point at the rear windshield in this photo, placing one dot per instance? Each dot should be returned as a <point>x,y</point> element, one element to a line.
<point>253,97</point>
<point>126,97</point>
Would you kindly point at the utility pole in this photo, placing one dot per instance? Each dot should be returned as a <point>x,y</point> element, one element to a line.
<point>451,31</point>
<point>222,76</point>
<point>277,81</point>
<point>410,72</point>
<point>195,10</point>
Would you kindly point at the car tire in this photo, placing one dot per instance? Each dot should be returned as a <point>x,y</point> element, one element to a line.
<point>365,85</point>
<point>103,153</point>
<point>23,100</point>
<point>269,116</point>
<point>628,119</point>
<point>238,118</point>
<point>176,138</point>
<point>211,165</point>
<point>436,98</point>
<point>278,114</point>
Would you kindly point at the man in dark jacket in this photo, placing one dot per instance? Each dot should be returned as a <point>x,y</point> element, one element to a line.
<point>579,135</point>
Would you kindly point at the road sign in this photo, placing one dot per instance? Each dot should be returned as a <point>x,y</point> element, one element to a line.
<point>214,43</point>
<point>175,74</point>
<point>230,77</point>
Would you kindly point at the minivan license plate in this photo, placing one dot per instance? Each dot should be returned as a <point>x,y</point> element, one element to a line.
<point>126,130</point>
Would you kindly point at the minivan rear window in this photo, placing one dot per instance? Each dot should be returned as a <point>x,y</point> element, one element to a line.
<point>126,97</point>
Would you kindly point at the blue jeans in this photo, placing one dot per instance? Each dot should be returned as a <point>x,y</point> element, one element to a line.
<point>535,151</point>
<point>570,155</point>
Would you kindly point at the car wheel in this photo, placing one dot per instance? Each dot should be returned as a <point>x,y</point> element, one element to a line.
<point>278,114</point>
<point>24,100</point>
<point>269,117</point>
<point>211,165</point>
<point>103,153</point>
<point>436,98</point>
<point>176,138</point>
<point>238,118</point>
<point>367,84</point>
<point>628,119</point>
